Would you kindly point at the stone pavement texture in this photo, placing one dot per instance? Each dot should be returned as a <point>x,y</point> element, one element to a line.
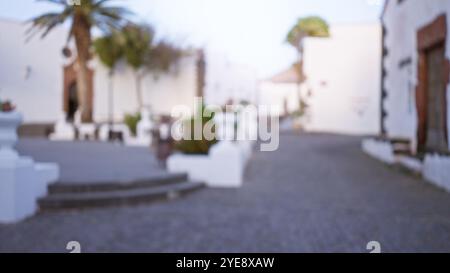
<point>317,193</point>
<point>93,162</point>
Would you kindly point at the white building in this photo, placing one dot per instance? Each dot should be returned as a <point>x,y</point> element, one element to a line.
<point>227,81</point>
<point>281,92</point>
<point>39,80</point>
<point>31,73</point>
<point>415,42</point>
<point>415,95</point>
<point>342,83</point>
<point>343,77</point>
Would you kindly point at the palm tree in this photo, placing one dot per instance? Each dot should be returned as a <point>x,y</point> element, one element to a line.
<point>137,45</point>
<point>312,26</point>
<point>109,50</point>
<point>84,16</point>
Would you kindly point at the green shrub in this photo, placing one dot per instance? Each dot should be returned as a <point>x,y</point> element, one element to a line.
<point>131,120</point>
<point>192,146</point>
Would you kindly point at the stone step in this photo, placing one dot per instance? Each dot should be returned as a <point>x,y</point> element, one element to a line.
<point>402,151</point>
<point>117,197</point>
<point>400,141</point>
<point>165,179</point>
<point>402,147</point>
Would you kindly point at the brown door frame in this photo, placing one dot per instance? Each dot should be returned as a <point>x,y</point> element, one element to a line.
<point>70,75</point>
<point>429,37</point>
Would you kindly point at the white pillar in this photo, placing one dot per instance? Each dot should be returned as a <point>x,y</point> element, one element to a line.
<point>143,130</point>
<point>21,180</point>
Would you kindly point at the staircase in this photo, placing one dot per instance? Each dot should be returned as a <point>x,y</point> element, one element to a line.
<point>401,146</point>
<point>86,195</point>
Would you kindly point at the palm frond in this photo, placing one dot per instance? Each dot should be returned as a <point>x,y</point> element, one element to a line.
<point>115,13</point>
<point>59,2</point>
<point>45,23</point>
<point>100,3</point>
<point>108,49</point>
<point>95,12</point>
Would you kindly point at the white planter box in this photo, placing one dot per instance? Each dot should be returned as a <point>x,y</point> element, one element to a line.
<point>9,122</point>
<point>222,167</point>
<point>64,131</point>
<point>436,169</point>
<point>47,173</point>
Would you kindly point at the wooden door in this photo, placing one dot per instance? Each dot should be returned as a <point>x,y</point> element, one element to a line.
<point>436,139</point>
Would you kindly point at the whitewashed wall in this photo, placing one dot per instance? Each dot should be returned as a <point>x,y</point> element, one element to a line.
<point>38,92</point>
<point>160,92</point>
<point>343,73</point>
<point>275,95</point>
<point>227,80</point>
<point>402,22</point>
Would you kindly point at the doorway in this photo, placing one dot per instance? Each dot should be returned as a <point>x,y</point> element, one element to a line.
<point>433,79</point>
<point>73,102</point>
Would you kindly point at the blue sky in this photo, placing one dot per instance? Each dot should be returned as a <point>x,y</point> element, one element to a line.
<point>248,31</point>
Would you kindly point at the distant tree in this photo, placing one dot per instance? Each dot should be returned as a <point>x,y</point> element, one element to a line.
<point>312,26</point>
<point>109,50</point>
<point>163,57</point>
<point>137,43</point>
<point>144,55</point>
<point>84,16</point>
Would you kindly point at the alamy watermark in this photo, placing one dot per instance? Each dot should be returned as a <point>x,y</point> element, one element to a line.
<point>73,2</point>
<point>372,246</point>
<point>230,123</point>
<point>73,247</point>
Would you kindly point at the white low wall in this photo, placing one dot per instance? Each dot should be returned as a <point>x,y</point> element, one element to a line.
<point>17,194</point>
<point>47,173</point>
<point>223,167</point>
<point>436,169</point>
<point>23,182</point>
<point>380,150</point>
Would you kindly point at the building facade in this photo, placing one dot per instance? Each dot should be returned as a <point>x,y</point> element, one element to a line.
<point>340,82</point>
<point>41,82</point>
<point>415,112</point>
<point>416,73</point>
<point>343,80</point>
<point>281,92</point>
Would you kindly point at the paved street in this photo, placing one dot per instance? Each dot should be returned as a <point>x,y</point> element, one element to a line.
<point>317,193</point>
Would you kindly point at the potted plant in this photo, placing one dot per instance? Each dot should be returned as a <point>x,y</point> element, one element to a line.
<point>6,106</point>
<point>9,121</point>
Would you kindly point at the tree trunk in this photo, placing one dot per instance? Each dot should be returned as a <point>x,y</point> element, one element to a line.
<point>110,99</point>
<point>299,79</point>
<point>138,90</point>
<point>82,84</point>
<point>82,33</point>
